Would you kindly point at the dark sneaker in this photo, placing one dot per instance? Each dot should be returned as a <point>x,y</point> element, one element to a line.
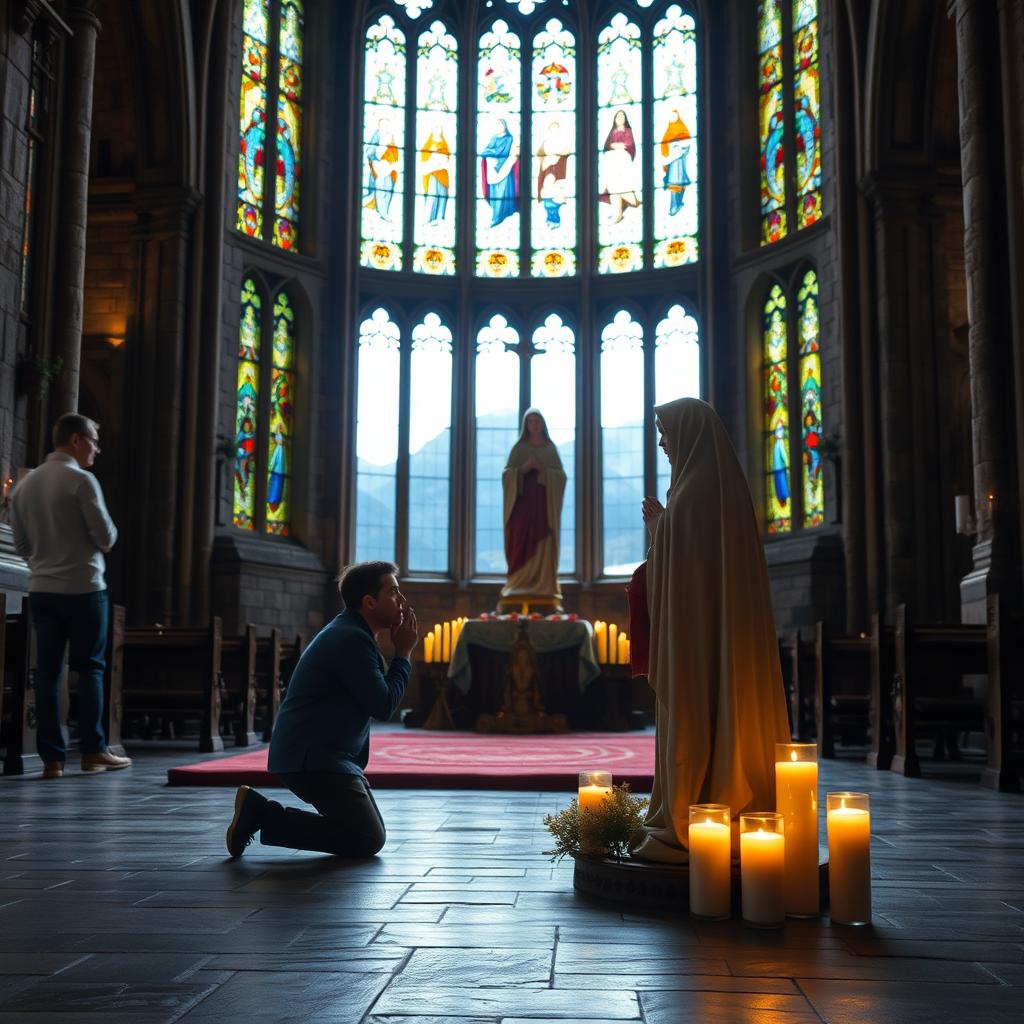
<point>246,822</point>
<point>104,761</point>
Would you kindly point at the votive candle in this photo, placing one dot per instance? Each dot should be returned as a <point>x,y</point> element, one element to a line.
<point>796,799</point>
<point>595,788</point>
<point>762,864</point>
<point>710,839</point>
<point>849,857</point>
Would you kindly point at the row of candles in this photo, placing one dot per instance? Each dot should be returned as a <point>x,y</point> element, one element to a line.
<point>611,644</point>
<point>439,642</point>
<point>778,850</point>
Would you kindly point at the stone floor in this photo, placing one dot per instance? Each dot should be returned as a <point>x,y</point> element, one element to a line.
<point>117,904</point>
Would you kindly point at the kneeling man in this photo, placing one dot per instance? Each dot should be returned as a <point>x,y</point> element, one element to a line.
<point>321,740</point>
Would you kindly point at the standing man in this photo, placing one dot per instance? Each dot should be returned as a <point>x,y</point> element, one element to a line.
<point>321,739</point>
<point>62,528</point>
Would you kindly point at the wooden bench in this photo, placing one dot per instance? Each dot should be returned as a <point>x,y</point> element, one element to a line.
<point>238,676</point>
<point>17,698</point>
<point>928,695</point>
<point>797,658</point>
<point>171,674</point>
<point>1004,701</point>
<point>842,672</point>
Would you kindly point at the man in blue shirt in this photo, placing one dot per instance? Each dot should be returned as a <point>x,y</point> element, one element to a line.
<point>321,739</point>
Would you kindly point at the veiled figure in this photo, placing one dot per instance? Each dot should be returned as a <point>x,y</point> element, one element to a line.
<point>714,661</point>
<point>534,485</point>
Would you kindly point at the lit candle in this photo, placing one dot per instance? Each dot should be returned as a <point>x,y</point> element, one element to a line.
<point>623,649</point>
<point>613,642</point>
<point>601,640</point>
<point>710,838</point>
<point>762,859</point>
<point>796,799</point>
<point>595,788</point>
<point>849,857</point>
<point>437,642</point>
<point>446,642</point>
<point>428,647</point>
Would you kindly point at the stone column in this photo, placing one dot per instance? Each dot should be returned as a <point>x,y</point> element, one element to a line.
<point>989,353</point>
<point>74,205</point>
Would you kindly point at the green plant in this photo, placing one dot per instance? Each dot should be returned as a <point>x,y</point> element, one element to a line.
<point>607,830</point>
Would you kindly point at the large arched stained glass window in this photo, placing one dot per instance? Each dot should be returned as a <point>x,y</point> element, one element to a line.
<point>620,161</point>
<point>437,88</point>
<point>778,507</point>
<point>810,400</point>
<point>271,103</point>
<point>499,131</point>
<point>247,395</point>
<point>496,410</point>
<point>282,410</point>
<point>553,392</point>
<point>807,111</point>
<point>377,401</point>
<point>676,372</point>
<point>382,172</point>
<point>675,166</point>
<point>622,443</point>
<point>430,423</point>
<point>772,121</point>
<point>553,174</point>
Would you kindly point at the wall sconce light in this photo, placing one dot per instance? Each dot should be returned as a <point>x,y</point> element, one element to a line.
<point>965,524</point>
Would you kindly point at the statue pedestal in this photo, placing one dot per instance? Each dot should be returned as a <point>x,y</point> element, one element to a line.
<point>527,604</point>
<point>646,885</point>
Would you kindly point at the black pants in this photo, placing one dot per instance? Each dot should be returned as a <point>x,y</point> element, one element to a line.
<point>349,823</point>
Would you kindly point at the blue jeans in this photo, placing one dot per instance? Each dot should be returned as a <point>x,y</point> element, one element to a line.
<point>81,621</point>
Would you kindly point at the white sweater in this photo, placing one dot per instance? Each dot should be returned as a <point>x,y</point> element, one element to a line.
<point>61,527</point>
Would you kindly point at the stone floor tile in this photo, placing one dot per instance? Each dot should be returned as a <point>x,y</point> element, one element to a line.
<point>553,1004</point>
<point>726,1008</point>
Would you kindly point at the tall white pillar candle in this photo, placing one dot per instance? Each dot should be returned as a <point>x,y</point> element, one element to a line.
<point>796,799</point>
<point>710,840</point>
<point>849,857</point>
<point>762,859</point>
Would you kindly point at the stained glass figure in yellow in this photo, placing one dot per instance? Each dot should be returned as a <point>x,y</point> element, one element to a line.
<point>772,122</point>
<point>807,112</point>
<point>247,406</point>
<point>778,513</point>
<point>282,416</point>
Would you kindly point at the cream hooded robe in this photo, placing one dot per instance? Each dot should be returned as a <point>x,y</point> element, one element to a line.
<point>714,658</point>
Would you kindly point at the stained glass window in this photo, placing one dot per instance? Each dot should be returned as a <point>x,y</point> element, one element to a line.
<point>620,180</point>
<point>675,165</point>
<point>437,87</point>
<point>676,371</point>
<point>778,514</point>
<point>247,406</point>
<point>622,443</point>
<point>377,407</point>
<point>498,141</point>
<point>525,6</point>
<point>496,411</point>
<point>553,391</point>
<point>383,147</point>
<point>553,174</point>
<point>414,8</point>
<point>807,112</point>
<point>810,400</point>
<point>282,416</point>
<point>772,121</point>
<point>289,125</point>
<point>253,115</point>
<point>430,422</point>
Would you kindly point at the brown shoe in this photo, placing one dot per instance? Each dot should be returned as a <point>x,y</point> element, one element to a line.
<point>104,762</point>
<point>53,769</point>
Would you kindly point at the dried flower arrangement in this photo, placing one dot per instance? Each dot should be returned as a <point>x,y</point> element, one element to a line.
<point>606,831</point>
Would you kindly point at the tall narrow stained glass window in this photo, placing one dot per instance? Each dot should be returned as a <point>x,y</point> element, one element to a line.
<point>437,88</point>
<point>807,111</point>
<point>622,443</point>
<point>498,140</point>
<point>778,510</point>
<point>377,409</point>
<point>282,415</point>
<point>430,428</point>
<point>382,173</point>
<point>247,406</point>
<point>772,121</point>
<point>620,177</point>
<point>496,411</point>
<point>676,372</point>
<point>810,400</point>
<point>553,392</point>
<point>271,100</point>
<point>675,166</point>
<point>553,174</point>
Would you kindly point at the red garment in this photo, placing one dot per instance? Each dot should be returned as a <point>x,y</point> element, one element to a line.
<point>639,621</point>
<point>527,523</point>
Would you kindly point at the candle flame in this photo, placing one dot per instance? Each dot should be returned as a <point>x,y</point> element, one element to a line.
<point>707,821</point>
<point>792,755</point>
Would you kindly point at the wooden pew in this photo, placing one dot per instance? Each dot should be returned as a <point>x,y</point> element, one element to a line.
<point>928,691</point>
<point>291,651</point>
<point>1004,701</point>
<point>171,673</point>
<point>797,658</point>
<point>113,697</point>
<point>17,697</point>
<point>268,681</point>
<point>883,740</point>
<point>238,675</point>
<point>842,667</point>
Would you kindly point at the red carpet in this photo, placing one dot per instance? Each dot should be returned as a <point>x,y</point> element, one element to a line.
<point>444,760</point>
